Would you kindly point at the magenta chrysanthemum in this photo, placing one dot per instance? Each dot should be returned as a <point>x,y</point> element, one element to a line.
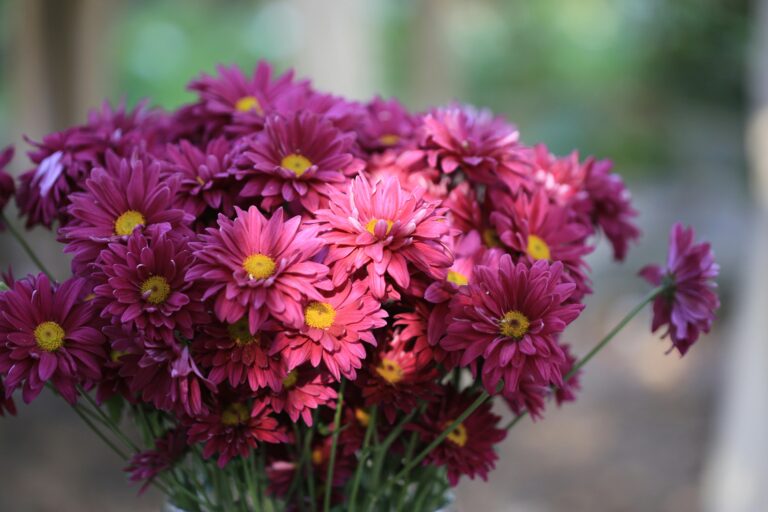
<point>46,335</point>
<point>387,125</point>
<point>688,303</point>
<point>385,230</point>
<point>255,267</point>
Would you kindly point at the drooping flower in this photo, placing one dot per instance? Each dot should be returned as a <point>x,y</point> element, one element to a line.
<point>688,303</point>
<point>46,336</point>
<point>469,449</point>
<point>508,317</point>
<point>387,231</point>
<point>255,267</point>
<point>143,284</point>
<point>303,390</point>
<point>126,195</point>
<point>295,158</point>
<point>235,429</point>
<point>7,187</point>
<point>387,125</point>
<point>147,465</point>
<point>334,330</point>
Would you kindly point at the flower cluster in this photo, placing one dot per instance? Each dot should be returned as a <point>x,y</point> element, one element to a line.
<point>270,258</point>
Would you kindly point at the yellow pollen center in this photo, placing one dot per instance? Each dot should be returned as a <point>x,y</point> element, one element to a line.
<point>371,226</point>
<point>457,278</point>
<point>259,266</point>
<point>537,248</point>
<point>127,222</point>
<point>235,414</point>
<point>290,380</point>
<point>390,371</point>
<point>459,435</point>
<point>362,417</point>
<point>319,315</point>
<point>389,139</point>
<point>115,355</point>
<point>317,456</point>
<point>240,333</point>
<point>514,324</point>
<point>89,297</point>
<point>49,336</point>
<point>200,180</point>
<point>248,104</point>
<point>490,238</point>
<point>155,290</point>
<point>298,164</point>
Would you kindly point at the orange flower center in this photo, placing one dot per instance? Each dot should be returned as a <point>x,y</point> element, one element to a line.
<point>389,139</point>
<point>459,435</point>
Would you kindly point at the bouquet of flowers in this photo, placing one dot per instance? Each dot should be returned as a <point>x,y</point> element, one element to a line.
<point>284,300</point>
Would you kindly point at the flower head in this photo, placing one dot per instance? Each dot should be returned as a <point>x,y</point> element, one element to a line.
<point>147,465</point>
<point>387,125</point>
<point>303,390</point>
<point>688,303</point>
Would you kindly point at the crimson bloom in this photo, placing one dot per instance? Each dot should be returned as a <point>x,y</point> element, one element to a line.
<point>688,302</point>
<point>303,390</point>
<point>255,267</point>
<point>46,335</point>
<point>147,465</point>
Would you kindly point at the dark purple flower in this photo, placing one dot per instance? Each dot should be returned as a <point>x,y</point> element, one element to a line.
<point>7,187</point>
<point>146,465</point>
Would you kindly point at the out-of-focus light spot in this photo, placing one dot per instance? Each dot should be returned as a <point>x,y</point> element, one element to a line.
<point>159,50</point>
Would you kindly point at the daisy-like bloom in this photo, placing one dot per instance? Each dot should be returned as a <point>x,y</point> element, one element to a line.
<point>203,178</point>
<point>303,390</point>
<point>295,158</point>
<point>545,231</point>
<point>46,336</point>
<point>385,230</point>
<point>411,170</point>
<point>334,330</point>
<point>126,195</point>
<point>468,449</point>
<point>235,429</point>
<point>688,303</point>
<point>143,285</point>
<point>6,402</point>
<point>255,267</point>
<point>7,187</point>
<point>475,141</point>
<point>236,355</point>
<point>508,317</point>
<point>387,125</point>
<point>147,465</point>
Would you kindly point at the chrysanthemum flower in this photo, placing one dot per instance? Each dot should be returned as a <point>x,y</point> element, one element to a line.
<point>411,171</point>
<point>303,390</point>
<point>142,283</point>
<point>7,187</point>
<point>542,230</point>
<point>295,158</point>
<point>468,449</point>
<point>508,317</point>
<point>385,230</point>
<point>256,267</point>
<point>235,429</point>
<point>147,465</point>
<point>387,125</point>
<point>688,303</point>
<point>126,195</point>
<point>46,335</point>
<point>334,330</point>
<point>236,355</point>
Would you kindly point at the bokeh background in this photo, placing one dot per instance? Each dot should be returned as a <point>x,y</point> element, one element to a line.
<point>671,90</point>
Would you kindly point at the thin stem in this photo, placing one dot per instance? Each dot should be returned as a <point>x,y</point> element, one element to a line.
<point>408,454</point>
<point>363,457</point>
<point>334,445</point>
<point>30,252</point>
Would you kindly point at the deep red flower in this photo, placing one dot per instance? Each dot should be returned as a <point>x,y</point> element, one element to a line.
<point>147,465</point>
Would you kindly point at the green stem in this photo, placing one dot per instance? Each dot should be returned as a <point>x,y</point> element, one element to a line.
<point>25,246</point>
<point>364,452</point>
<point>408,454</point>
<point>334,445</point>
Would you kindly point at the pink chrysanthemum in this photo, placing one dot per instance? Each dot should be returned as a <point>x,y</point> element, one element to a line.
<point>469,449</point>
<point>147,465</point>
<point>689,301</point>
<point>46,335</point>
<point>295,158</point>
<point>256,267</point>
<point>142,284</point>
<point>508,317</point>
<point>411,170</point>
<point>387,125</point>
<point>7,187</point>
<point>126,195</point>
<point>234,430</point>
<point>385,230</point>
<point>303,390</point>
<point>334,330</point>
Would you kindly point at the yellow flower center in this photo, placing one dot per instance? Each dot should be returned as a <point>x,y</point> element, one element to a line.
<point>248,104</point>
<point>127,222</point>
<point>457,278</point>
<point>298,164</point>
<point>259,266</point>
<point>362,417</point>
<point>491,238</point>
<point>459,435</point>
<point>371,226</point>
<point>235,414</point>
<point>290,380</point>
<point>389,139</point>
<point>319,315</point>
<point>390,371</point>
<point>155,289</point>
<point>49,336</point>
<point>200,180</point>
<point>240,333</point>
<point>537,248</point>
<point>514,324</point>
<point>115,355</point>
<point>317,456</point>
